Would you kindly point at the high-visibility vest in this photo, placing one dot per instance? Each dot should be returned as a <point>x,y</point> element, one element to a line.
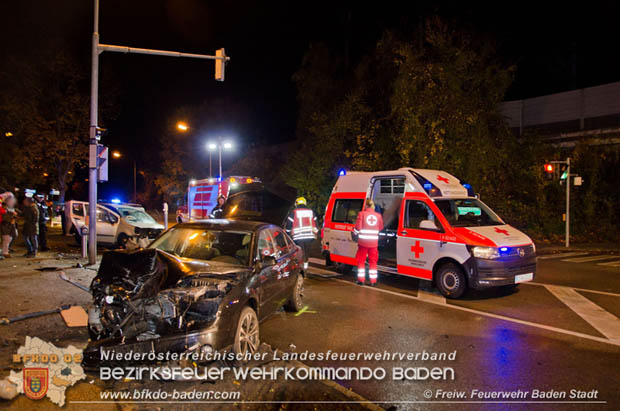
<point>367,228</point>
<point>302,223</point>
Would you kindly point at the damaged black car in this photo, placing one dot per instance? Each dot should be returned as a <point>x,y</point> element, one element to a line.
<point>198,287</point>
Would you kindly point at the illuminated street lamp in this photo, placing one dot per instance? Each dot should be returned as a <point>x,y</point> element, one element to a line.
<point>116,154</point>
<point>218,145</point>
<point>182,126</point>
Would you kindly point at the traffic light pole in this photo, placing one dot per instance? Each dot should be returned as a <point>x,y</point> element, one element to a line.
<point>567,219</point>
<point>97,48</point>
<point>567,240</point>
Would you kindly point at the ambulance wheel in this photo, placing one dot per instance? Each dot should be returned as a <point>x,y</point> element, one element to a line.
<point>345,269</point>
<point>450,281</point>
<point>296,302</point>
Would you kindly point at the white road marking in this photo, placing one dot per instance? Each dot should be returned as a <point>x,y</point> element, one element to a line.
<point>577,288</point>
<point>611,264</point>
<point>427,292</point>
<point>606,323</point>
<point>561,255</point>
<point>591,258</point>
<point>615,342</point>
<point>496,316</point>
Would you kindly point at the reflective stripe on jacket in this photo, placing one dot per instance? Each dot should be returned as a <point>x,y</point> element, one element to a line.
<point>301,224</point>
<point>367,228</point>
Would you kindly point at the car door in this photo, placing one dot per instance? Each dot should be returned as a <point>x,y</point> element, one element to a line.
<point>106,226</point>
<point>286,266</point>
<point>267,281</point>
<point>419,238</point>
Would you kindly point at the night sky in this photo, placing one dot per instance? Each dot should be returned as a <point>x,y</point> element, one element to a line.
<point>556,47</point>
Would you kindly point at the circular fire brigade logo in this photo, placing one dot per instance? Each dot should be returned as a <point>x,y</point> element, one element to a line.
<point>371,220</point>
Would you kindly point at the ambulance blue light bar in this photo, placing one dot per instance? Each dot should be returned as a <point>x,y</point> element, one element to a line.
<point>116,201</point>
<point>342,172</point>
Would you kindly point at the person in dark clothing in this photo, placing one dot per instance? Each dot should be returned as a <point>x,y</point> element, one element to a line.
<point>44,217</point>
<point>8,226</point>
<point>31,227</point>
<point>218,211</point>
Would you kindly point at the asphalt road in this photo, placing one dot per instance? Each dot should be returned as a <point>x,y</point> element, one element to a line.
<point>550,335</point>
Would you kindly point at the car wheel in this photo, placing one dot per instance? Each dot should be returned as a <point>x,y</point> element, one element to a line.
<point>247,336</point>
<point>122,239</point>
<point>450,281</point>
<point>296,302</point>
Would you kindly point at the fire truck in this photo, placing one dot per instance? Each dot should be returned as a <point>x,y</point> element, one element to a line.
<point>435,229</point>
<point>202,196</point>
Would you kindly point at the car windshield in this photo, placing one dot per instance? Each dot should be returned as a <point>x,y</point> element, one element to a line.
<point>467,212</point>
<point>232,247</point>
<point>134,215</point>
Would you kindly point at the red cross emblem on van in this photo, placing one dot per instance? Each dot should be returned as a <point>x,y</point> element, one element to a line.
<point>445,180</point>
<point>501,231</point>
<point>417,250</point>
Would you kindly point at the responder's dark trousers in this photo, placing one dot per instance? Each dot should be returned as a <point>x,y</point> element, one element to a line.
<point>305,245</point>
<point>42,236</point>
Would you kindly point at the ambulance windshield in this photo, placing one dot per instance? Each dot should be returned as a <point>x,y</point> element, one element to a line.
<point>467,212</point>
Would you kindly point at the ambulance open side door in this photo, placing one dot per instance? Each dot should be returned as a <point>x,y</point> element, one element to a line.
<point>420,235</point>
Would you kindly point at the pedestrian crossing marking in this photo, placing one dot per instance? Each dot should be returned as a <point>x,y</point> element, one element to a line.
<point>603,321</point>
<point>590,258</point>
<point>561,255</point>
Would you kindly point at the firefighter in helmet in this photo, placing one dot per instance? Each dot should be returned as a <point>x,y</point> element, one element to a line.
<point>302,226</point>
<point>367,227</point>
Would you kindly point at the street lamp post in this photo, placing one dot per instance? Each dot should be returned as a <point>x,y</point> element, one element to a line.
<point>218,146</point>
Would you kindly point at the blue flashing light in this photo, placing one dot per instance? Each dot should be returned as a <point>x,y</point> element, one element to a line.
<point>467,186</point>
<point>342,172</point>
<point>428,186</point>
<point>503,249</point>
<point>116,201</point>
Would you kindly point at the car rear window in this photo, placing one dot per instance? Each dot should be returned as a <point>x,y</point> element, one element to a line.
<point>346,210</point>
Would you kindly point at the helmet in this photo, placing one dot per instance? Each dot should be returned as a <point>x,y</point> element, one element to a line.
<point>300,201</point>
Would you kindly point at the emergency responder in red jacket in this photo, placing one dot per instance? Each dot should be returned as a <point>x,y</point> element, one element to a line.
<point>302,226</point>
<point>367,228</point>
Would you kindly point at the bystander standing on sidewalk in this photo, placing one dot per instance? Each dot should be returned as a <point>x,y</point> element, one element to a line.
<point>8,225</point>
<point>31,227</point>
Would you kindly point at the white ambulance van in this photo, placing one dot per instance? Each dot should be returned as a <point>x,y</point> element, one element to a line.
<point>435,229</point>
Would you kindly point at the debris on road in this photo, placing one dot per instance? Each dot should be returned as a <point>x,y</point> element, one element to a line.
<point>63,276</point>
<point>5,320</point>
<point>75,316</point>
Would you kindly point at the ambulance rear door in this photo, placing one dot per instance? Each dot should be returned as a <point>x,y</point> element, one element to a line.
<point>340,218</point>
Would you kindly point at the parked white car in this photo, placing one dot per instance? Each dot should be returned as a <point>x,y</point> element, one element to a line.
<point>116,223</point>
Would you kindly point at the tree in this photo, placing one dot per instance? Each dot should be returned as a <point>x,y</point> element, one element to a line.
<point>46,104</point>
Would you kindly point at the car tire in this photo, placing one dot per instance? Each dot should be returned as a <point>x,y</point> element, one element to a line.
<point>296,302</point>
<point>121,240</point>
<point>450,281</point>
<point>247,335</point>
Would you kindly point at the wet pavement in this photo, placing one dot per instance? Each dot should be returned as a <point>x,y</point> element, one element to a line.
<point>527,340</point>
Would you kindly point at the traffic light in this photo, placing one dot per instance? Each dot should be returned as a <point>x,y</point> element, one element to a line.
<point>549,168</point>
<point>220,64</point>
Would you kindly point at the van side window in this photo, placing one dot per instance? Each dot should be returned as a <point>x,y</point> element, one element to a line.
<point>346,210</point>
<point>418,211</point>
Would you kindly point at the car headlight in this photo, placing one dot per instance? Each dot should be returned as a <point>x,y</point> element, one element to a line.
<point>488,253</point>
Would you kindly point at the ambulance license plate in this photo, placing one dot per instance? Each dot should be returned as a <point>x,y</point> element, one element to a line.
<point>524,277</point>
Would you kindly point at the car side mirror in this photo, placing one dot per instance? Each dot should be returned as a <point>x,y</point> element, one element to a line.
<point>428,225</point>
<point>266,261</point>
